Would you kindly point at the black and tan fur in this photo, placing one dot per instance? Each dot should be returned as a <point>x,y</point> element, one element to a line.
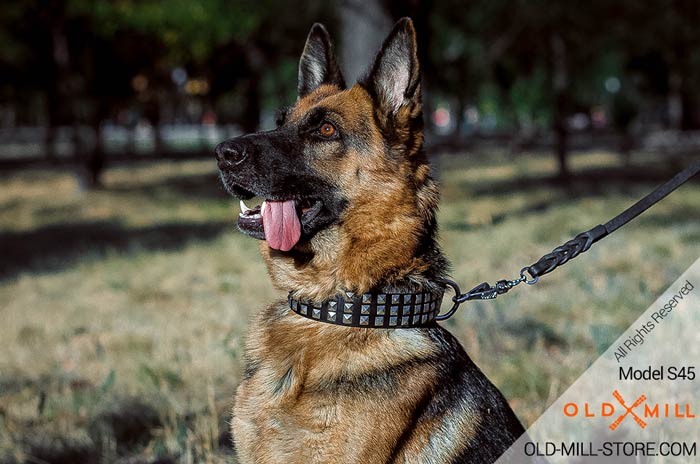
<point>321,393</point>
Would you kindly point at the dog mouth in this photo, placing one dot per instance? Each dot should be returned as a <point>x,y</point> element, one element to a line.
<point>277,221</point>
<point>288,210</point>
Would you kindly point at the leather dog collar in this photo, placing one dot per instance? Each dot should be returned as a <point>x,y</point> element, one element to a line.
<point>373,310</point>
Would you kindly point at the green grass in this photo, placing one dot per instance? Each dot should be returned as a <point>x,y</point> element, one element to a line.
<point>124,309</point>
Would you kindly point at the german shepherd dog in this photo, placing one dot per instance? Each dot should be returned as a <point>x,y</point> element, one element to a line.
<point>350,206</point>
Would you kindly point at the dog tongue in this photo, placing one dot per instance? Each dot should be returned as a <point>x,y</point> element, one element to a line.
<point>281,224</point>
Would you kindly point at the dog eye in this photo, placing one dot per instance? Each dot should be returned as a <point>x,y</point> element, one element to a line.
<point>327,130</point>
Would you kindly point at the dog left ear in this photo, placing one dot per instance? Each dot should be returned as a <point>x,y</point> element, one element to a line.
<point>394,78</point>
<point>317,64</point>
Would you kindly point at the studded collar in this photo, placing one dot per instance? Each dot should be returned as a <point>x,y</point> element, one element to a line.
<point>373,310</point>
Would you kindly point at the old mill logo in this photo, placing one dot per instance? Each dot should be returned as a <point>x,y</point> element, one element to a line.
<point>639,411</point>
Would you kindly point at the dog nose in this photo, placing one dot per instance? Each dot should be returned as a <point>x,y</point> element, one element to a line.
<point>229,154</point>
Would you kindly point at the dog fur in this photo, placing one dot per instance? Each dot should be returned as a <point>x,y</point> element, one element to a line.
<point>321,393</point>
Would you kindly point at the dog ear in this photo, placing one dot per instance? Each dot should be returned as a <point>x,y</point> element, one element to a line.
<point>317,64</point>
<point>394,79</point>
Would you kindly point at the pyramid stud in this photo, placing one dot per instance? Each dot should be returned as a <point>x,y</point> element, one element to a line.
<point>365,309</point>
<point>347,318</point>
<point>394,310</point>
<point>416,318</point>
<point>381,309</point>
<point>366,298</point>
<point>349,294</point>
<point>332,304</point>
<point>379,320</point>
<point>316,314</point>
<point>424,318</point>
<point>404,320</point>
<point>395,298</point>
<point>331,316</point>
<point>381,299</point>
<point>348,307</point>
<point>407,298</point>
<point>364,320</point>
<point>393,320</point>
<point>419,298</point>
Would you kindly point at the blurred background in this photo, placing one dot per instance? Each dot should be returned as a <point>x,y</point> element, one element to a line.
<point>125,290</point>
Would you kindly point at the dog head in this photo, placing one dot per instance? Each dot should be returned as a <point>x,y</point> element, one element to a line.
<point>348,195</point>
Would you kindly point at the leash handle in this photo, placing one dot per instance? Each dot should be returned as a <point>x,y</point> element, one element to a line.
<point>583,241</point>
<point>659,194</point>
<point>569,250</point>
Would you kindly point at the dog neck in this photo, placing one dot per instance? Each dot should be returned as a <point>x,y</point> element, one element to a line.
<point>386,244</point>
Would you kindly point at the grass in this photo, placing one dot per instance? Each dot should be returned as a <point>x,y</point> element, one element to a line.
<point>124,309</point>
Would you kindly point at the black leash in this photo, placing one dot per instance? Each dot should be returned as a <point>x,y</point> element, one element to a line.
<point>569,250</point>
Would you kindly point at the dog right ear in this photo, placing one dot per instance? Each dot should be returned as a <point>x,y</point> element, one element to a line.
<point>394,78</point>
<point>317,64</point>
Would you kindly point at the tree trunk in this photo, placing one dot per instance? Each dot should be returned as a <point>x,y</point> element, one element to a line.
<point>560,83</point>
<point>95,160</point>
<point>364,25</point>
<point>154,112</point>
<point>251,116</point>
<point>252,108</point>
<point>58,72</point>
<point>458,130</point>
<point>675,101</point>
<point>689,119</point>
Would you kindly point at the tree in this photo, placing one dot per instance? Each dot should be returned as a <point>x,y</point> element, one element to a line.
<point>82,57</point>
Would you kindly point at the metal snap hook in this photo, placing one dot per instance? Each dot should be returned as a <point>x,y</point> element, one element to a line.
<point>455,299</point>
<point>523,276</point>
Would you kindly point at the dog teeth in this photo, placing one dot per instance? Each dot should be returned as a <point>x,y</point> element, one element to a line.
<point>244,208</point>
<point>262,207</point>
<point>249,213</point>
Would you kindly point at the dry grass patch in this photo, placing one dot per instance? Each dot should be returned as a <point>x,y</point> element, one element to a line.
<point>124,309</point>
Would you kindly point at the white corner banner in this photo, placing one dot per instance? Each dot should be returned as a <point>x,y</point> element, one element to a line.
<point>639,402</point>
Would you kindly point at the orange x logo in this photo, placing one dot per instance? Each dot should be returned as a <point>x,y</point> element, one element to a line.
<point>628,410</point>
